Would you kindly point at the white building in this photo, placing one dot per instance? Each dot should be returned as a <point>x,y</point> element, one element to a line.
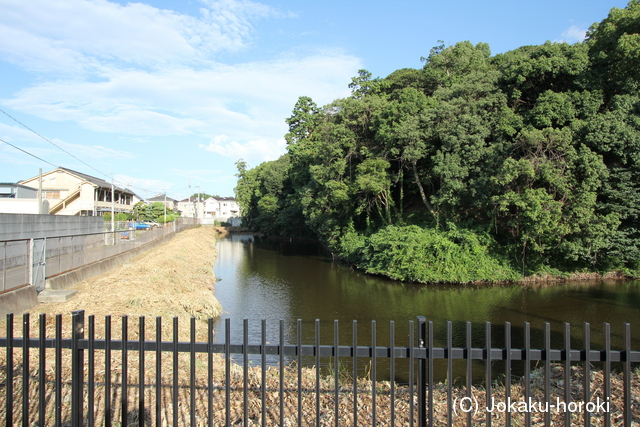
<point>20,199</point>
<point>168,202</point>
<point>191,208</point>
<point>221,208</point>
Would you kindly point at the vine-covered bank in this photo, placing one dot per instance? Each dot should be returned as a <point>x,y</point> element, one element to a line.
<point>473,167</point>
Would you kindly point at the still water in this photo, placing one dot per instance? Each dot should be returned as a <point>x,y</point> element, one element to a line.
<point>259,278</point>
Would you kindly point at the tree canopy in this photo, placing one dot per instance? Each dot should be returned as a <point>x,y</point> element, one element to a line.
<point>528,160</point>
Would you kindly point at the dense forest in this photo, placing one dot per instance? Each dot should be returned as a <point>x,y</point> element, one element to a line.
<point>474,167</point>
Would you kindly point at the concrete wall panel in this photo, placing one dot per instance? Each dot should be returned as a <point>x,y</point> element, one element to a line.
<point>25,226</point>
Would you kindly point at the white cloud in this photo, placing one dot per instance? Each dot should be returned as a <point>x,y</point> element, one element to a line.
<point>573,34</point>
<point>134,140</point>
<point>199,173</point>
<point>254,152</point>
<point>55,150</point>
<point>72,36</point>
<point>198,176</point>
<point>143,187</point>
<point>138,72</point>
<point>93,152</point>
<point>13,156</point>
<point>10,133</point>
<point>140,122</point>
<point>243,101</point>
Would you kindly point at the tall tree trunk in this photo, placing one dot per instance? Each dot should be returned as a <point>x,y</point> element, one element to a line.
<point>419,184</point>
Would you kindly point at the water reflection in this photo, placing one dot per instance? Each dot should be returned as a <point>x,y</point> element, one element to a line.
<point>280,279</point>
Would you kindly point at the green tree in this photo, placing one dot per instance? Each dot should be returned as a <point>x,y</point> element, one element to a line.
<point>142,212</point>
<point>203,196</point>
<point>614,50</point>
<point>265,196</point>
<point>529,71</point>
<point>302,121</point>
<point>363,84</point>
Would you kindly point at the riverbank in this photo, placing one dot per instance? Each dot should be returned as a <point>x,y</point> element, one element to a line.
<point>173,280</point>
<point>423,256</point>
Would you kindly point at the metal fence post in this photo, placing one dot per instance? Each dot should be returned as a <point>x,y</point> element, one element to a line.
<point>4,267</point>
<point>77,369</point>
<point>30,260</point>
<point>9,371</point>
<point>626,377</point>
<point>422,373</point>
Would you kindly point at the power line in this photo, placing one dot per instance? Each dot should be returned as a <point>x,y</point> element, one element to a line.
<point>49,163</point>
<point>50,142</point>
<point>65,151</point>
<point>26,152</point>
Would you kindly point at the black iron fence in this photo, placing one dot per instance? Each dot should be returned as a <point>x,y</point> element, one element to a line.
<point>90,378</point>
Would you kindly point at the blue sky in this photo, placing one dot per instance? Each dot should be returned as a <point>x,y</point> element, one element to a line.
<point>165,96</point>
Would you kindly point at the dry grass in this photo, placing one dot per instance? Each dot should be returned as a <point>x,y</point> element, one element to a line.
<point>173,280</point>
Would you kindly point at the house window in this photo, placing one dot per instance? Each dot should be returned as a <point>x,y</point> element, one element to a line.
<point>51,194</point>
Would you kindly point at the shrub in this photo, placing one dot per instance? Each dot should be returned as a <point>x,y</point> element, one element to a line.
<point>351,246</point>
<point>170,218</point>
<point>415,254</point>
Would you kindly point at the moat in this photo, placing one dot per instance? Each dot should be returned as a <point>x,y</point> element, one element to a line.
<point>268,279</point>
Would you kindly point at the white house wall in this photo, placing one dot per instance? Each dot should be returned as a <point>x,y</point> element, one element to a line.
<point>20,206</point>
<point>217,210</point>
<point>188,209</point>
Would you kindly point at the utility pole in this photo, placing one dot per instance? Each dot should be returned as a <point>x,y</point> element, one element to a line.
<point>197,206</point>
<point>113,209</point>
<point>165,206</point>
<point>40,200</point>
<point>190,207</point>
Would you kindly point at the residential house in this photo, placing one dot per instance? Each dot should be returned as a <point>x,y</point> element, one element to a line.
<point>74,193</point>
<point>10,190</point>
<point>167,201</point>
<point>221,208</point>
<point>20,199</point>
<point>192,207</point>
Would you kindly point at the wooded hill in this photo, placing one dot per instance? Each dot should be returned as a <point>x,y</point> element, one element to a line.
<point>475,167</point>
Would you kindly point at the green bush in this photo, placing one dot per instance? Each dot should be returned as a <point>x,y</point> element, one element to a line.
<point>351,247</point>
<point>121,216</point>
<point>170,218</point>
<point>415,254</point>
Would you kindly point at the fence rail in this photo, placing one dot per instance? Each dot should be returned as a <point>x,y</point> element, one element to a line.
<point>169,381</point>
<point>31,261</point>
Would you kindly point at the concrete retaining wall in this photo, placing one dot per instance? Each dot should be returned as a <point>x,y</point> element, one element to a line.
<point>17,300</point>
<point>26,226</point>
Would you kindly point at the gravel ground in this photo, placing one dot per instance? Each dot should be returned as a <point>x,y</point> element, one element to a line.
<point>176,280</point>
